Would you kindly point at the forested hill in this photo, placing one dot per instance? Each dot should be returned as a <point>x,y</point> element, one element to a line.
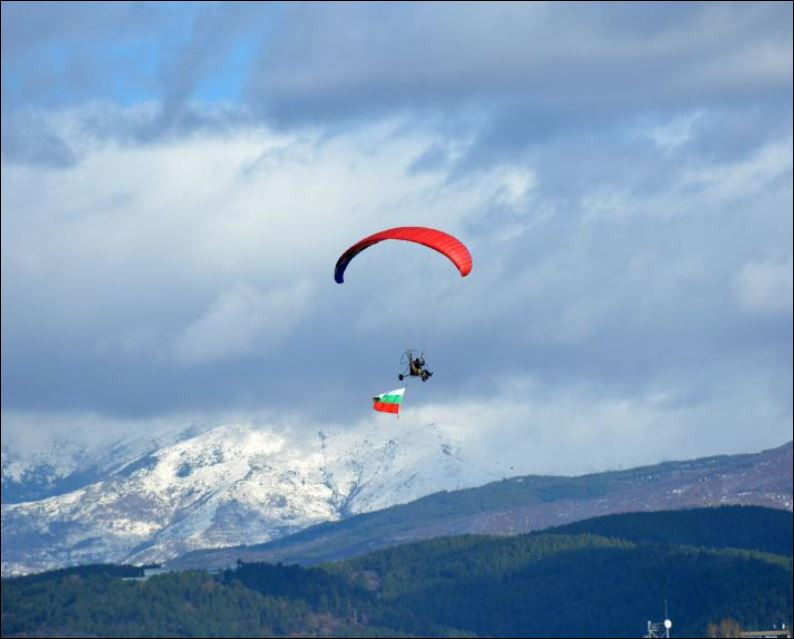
<point>555,584</point>
<point>748,527</point>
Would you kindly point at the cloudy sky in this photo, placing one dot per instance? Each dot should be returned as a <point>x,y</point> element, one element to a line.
<point>179,179</point>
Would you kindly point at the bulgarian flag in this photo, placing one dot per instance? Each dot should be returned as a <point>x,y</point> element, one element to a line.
<point>389,402</point>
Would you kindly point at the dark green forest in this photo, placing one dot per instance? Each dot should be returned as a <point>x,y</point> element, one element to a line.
<point>749,527</point>
<point>602,577</point>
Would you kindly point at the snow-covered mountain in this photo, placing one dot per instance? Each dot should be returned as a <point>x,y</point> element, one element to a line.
<point>68,463</point>
<point>531,502</point>
<point>230,485</point>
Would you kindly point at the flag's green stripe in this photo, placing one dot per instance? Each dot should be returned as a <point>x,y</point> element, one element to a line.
<point>391,399</point>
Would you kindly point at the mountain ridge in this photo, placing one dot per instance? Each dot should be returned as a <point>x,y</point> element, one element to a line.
<point>524,504</point>
<point>226,485</point>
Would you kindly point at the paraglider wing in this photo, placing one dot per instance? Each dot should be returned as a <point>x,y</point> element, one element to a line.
<point>444,243</point>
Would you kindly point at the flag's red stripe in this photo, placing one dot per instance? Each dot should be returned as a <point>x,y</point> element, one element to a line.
<point>386,408</point>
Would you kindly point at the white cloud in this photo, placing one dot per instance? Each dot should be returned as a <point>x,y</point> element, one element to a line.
<point>30,431</point>
<point>132,243</point>
<point>526,426</point>
<point>727,182</point>
<point>534,427</point>
<point>243,321</point>
<point>219,248</point>
<point>676,132</point>
<point>516,185</point>
<point>765,287</point>
<point>697,187</point>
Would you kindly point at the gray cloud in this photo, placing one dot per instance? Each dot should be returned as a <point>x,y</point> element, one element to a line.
<point>215,30</point>
<point>51,50</point>
<point>61,55</point>
<point>242,322</point>
<point>622,175</point>
<point>28,139</point>
<point>624,275</point>
<point>556,61</point>
<point>515,75</point>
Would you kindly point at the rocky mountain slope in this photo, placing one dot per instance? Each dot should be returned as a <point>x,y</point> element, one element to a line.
<point>228,485</point>
<point>524,504</point>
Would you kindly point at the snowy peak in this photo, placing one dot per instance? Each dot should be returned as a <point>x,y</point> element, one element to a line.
<point>68,464</point>
<point>233,484</point>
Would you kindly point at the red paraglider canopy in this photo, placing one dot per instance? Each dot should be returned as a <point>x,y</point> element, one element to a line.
<point>444,243</point>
